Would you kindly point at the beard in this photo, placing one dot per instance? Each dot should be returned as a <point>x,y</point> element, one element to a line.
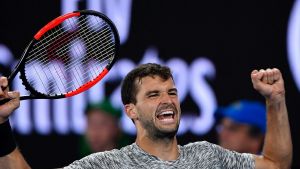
<point>156,133</point>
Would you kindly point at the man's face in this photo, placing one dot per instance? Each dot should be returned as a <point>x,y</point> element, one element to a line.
<point>157,107</point>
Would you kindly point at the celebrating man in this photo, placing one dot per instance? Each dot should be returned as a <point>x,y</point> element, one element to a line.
<point>150,99</point>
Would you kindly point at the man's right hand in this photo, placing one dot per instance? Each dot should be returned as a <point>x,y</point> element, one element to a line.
<point>7,108</point>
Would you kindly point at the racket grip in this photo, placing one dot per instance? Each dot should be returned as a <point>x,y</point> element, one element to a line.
<point>4,101</point>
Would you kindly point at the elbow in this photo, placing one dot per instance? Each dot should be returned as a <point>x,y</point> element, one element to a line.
<point>286,163</point>
<point>286,160</point>
<point>283,163</point>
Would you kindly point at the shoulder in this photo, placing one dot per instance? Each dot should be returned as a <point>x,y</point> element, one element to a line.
<point>106,159</point>
<point>209,148</point>
<point>217,155</point>
<point>112,155</point>
<point>199,144</point>
<point>199,150</point>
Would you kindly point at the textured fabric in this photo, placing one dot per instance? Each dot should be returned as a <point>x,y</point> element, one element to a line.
<point>201,155</point>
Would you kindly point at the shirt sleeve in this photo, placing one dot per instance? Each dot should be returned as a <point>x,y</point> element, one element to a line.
<point>96,160</point>
<point>84,163</point>
<point>231,159</point>
<point>101,160</point>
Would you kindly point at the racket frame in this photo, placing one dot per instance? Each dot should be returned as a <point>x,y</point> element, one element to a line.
<point>20,67</point>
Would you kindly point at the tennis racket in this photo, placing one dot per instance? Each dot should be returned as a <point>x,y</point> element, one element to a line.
<point>68,56</point>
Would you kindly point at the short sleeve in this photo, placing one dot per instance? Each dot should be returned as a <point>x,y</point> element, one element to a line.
<point>231,159</point>
<point>93,161</point>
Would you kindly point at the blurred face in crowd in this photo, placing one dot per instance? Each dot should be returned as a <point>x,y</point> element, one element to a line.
<point>236,136</point>
<point>102,131</point>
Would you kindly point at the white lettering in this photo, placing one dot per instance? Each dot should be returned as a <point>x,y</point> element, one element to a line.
<point>293,41</point>
<point>60,116</point>
<point>119,11</point>
<point>69,6</point>
<point>6,57</point>
<point>78,121</point>
<point>41,116</point>
<point>202,94</point>
<point>180,73</point>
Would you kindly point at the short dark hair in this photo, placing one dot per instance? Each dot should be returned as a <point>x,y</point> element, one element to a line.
<point>129,88</point>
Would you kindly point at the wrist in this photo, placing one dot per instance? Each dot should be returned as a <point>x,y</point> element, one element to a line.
<point>7,141</point>
<point>275,100</point>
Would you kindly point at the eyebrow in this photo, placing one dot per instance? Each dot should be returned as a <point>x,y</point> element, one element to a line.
<point>173,90</point>
<point>157,91</point>
<point>152,92</point>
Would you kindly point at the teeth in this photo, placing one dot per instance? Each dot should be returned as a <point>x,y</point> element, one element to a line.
<point>167,113</point>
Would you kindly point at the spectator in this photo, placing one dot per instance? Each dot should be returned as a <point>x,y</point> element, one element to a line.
<point>242,126</point>
<point>102,132</point>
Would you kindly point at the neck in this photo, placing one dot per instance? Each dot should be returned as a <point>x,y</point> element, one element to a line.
<point>165,149</point>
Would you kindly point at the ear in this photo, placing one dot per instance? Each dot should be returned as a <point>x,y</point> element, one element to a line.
<point>131,111</point>
<point>256,144</point>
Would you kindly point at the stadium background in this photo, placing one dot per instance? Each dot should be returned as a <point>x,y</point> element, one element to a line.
<point>212,47</point>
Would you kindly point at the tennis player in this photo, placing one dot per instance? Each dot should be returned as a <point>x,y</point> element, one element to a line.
<point>150,99</point>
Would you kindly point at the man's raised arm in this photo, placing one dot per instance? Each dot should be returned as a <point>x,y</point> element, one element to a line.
<point>277,149</point>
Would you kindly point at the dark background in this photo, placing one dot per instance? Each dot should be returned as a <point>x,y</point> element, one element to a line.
<point>237,36</point>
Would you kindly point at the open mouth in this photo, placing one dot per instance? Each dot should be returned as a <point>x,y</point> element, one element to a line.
<point>166,116</point>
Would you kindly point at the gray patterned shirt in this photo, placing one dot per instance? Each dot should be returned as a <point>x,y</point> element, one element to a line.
<point>202,155</point>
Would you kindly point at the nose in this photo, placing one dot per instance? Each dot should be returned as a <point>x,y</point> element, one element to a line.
<point>165,98</point>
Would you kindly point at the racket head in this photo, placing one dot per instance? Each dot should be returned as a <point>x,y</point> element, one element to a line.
<point>69,55</point>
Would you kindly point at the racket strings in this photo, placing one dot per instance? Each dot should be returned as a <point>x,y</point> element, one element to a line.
<point>94,52</point>
<point>60,30</point>
<point>108,57</point>
<point>68,46</point>
<point>86,73</point>
<point>77,75</point>
<point>76,71</point>
<point>36,52</point>
<point>93,48</point>
<point>64,59</point>
<point>73,73</point>
<point>49,36</point>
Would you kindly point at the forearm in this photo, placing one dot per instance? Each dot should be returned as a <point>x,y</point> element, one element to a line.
<point>14,160</point>
<point>278,144</point>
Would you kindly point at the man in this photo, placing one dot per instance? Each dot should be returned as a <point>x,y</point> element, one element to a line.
<point>150,99</point>
<point>242,126</point>
<point>102,132</point>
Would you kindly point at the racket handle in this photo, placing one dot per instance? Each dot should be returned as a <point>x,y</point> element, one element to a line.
<point>4,101</point>
<point>8,99</point>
